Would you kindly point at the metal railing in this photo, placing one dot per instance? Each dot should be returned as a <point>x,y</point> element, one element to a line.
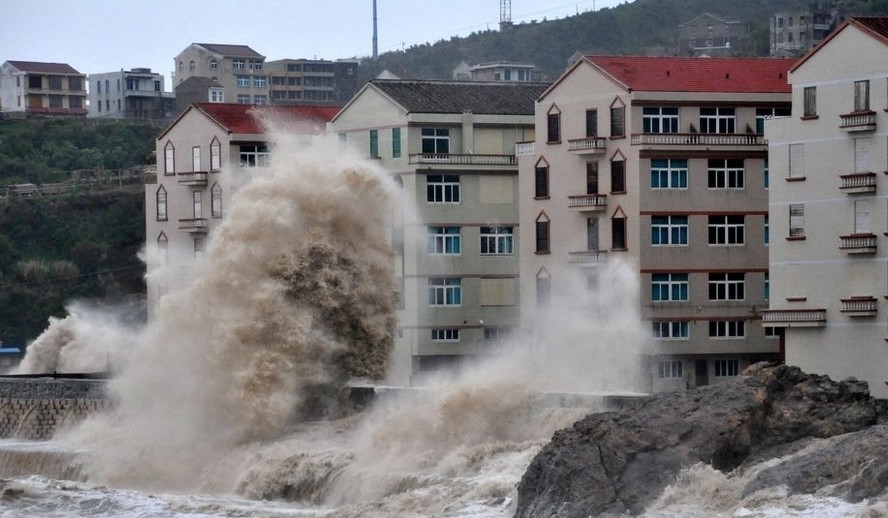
<point>462,159</point>
<point>700,139</point>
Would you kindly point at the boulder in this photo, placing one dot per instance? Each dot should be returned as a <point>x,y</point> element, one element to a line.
<point>617,463</point>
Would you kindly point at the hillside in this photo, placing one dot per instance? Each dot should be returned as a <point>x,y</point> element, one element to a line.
<point>641,27</point>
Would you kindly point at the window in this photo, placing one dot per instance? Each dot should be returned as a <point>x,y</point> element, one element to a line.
<point>255,64</point>
<point>396,142</point>
<point>797,220</point>
<point>542,234</point>
<point>197,203</point>
<point>260,99</point>
<point>374,143</point>
<point>670,369</point>
<point>444,240</point>
<point>543,288</point>
<point>618,232</point>
<point>618,120</point>
<point>727,329</point>
<point>767,287</point>
<point>216,201</point>
<point>717,120</point>
<point>553,127</point>
<point>726,368</point>
<point>214,64</point>
<point>726,173</point>
<point>260,82</point>
<point>669,230</point>
<point>618,176</point>
<point>217,96</point>
<point>442,188</point>
<point>659,120</point>
<point>671,330</point>
<point>766,174</point>
<point>169,159</point>
<point>496,241</point>
<point>762,114</point>
<point>163,245</point>
<point>254,155</point>
<point>541,180</point>
<point>445,335</point>
<point>243,81</point>
<point>195,158</point>
<point>727,230</point>
<point>200,245</point>
<point>669,287</point>
<point>445,291</point>
<point>55,82</point>
<point>727,286</point>
<point>243,99</point>
<point>861,96</point>
<point>161,197</point>
<point>55,101</point>
<point>98,85</point>
<point>669,173</point>
<point>435,140</point>
<point>591,177</point>
<point>215,155</point>
<point>591,123</point>
<point>496,333</point>
<point>810,102</point>
<point>238,64</point>
<point>796,160</point>
<point>767,230</point>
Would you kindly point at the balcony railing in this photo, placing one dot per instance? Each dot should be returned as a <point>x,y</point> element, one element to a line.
<point>587,202</point>
<point>858,121</point>
<point>195,225</point>
<point>794,317</point>
<point>525,149</point>
<point>460,159</point>
<point>699,139</point>
<point>858,183</point>
<point>858,243</point>
<point>587,257</point>
<point>195,178</point>
<point>860,306</point>
<point>588,145</point>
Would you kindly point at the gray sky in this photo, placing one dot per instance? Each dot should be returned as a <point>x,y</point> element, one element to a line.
<point>97,36</point>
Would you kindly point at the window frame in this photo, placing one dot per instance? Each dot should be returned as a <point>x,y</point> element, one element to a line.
<point>809,102</point>
<point>216,201</point>
<point>676,176</point>
<point>670,369</point>
<point>444,240</point>
<point>445,334</point>
<point>671,329</point>
<point>670,287</point>
<point>654,119</point>
<point>161,204</point>
<point>727,329</point>
<point>718,120</point>
<point>169,159</point>
<point>435,141</point>
<point>669,230</point>
<point>445,291</point>
<point>443,189</point>
<point>497,240</point>
<point>541,181</point>
<point>727,286</point>
<point>726,230</point>
<point>796,227</point>
<point>724,173</point>
<point>726,368</point>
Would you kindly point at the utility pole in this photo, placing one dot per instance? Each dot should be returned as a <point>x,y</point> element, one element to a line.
<point>375,37</point>
<point>505,14</point>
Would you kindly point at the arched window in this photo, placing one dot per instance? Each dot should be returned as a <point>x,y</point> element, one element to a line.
<point>191,65</point>
<point>161,196</point>
<point>216,201</point>
<point>541,179</point>
<point>542,233</point>
<point>215,155</point>
<point>162,247</point>
<point>169,159</point>
<point>553,125</point>
<point>543,287</point>
<point>618,230</point>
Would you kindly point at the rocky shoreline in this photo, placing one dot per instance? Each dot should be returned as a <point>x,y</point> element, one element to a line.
<point>618,463</point>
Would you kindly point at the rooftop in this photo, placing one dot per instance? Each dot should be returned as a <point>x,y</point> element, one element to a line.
<point>245,118</point>
<point>488,98</point>
<point>38,67</point>
<point>232,51</point>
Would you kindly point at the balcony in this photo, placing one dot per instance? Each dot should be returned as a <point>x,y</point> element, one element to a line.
<point>587,202</point>
<point>858,244</point>
<point>588,145</point>
<point>587,257</point>
<point>195,225</point>
<point>525,149</point>
<point>858,183</point>
<point>699,139</point>
<point>794,317</point>
<point>865,306</point>
<point>463,159</point>
<point>855,122</point>
<point>197,178</point>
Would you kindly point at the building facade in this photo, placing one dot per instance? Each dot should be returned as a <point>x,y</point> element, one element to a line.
<point>129,94</point>
<point>306,81</point>
<point>31,87</point>
<point>793,33</point>
<point>711,35</point>
<point>829,209</point>
<point>497,71</point>
<point>238,70</point>
<point>202,156</point>
<point>661,164</point>
<point>451,146</point>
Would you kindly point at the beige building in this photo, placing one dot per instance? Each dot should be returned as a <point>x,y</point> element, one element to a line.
<point>304,81</point>
<point>659,163</point>
<point>451,146</point>
<point>201,157</point>
<point>828,208</point>
<point>238,69</point>
<point>31,87</point>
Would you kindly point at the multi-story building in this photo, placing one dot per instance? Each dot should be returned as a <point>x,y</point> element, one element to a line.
<point>238,69</point>
<point>829,210</point>
<point>198,90</point>
<point>129,94</point>
<point>451,146</point>
<point>200,156</point>
<point>30,87</point>
<point>795,32</point>
<point>710,35</point>
<point>497,71</point>
<point>659,163</point>
<point>312,81</point>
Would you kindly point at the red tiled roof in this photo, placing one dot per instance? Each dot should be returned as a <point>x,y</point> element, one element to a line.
<point>673,74</point>
<point>37,67</point>
<point>245,118</point>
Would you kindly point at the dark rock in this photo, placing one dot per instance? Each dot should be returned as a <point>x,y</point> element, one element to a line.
<point>619,462</point>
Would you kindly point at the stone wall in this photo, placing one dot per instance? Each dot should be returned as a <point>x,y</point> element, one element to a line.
<point>36,408</point>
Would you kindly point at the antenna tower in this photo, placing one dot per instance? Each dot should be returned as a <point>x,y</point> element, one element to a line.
<point>505,14</point>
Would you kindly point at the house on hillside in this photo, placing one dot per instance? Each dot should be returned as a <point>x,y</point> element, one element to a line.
<point>451,146</point>
<point>304,81</point>
<point>238,69</point>
<point>201,157</point>
<point>660,163</point>
<point>129,94</point>
<point>497,71</point>
<point>829,211</point>
<point>711,35</point>
<point>37,88</point>
<point>793,33</point>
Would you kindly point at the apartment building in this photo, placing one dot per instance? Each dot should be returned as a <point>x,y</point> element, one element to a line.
<point>238,70</point>
<point>793,33</point>
<point>497,71</point>
<point>33,87</point>
<point>711,35</point>
<point>829,210</point>
<point>659,163</point>
<point>202,156</point>
<point>306,81</point>
<point>129,94</point>
<point>451,146</point>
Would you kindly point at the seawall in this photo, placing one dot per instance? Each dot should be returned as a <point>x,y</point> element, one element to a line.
<point>35,408</point>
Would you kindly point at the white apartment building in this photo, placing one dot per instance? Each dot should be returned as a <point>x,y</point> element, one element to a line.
<point>129,94</point>
<point>661,163</point>
<point>829,208</point>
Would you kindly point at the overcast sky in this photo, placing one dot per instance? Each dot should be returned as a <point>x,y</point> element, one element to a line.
<point>96,36</point>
